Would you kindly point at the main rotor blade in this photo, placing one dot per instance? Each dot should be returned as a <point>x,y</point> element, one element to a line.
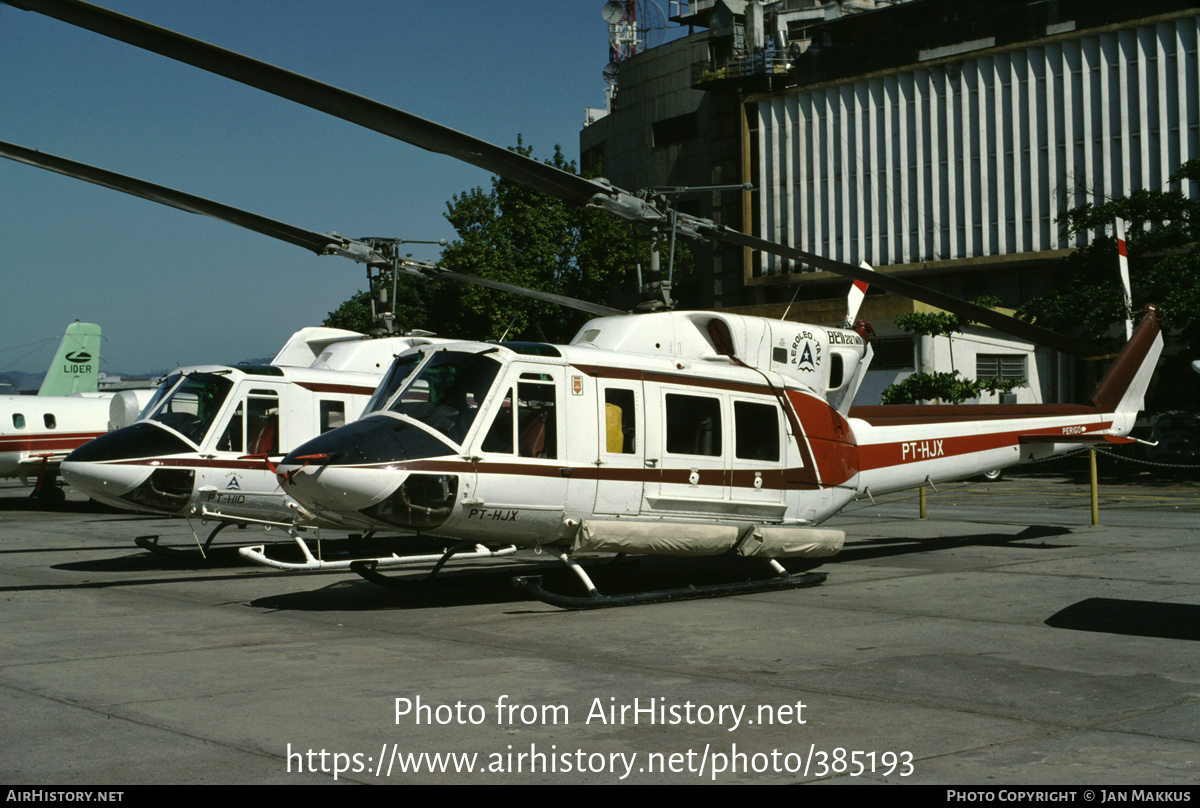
<point>899,286</point>
<point>317,95</point>
<point>319,243</point>
<point>435,271</point>
<point>510,165</point>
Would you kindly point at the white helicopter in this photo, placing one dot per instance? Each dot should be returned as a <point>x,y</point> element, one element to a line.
<point>678,434</point>
<point>206,444</point>
<point>674,433</point>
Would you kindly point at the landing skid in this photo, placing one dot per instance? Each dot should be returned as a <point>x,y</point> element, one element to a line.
<point>369,568</point>
<point>150,543</point>
<point>594,600</point>
<point>313,562</point>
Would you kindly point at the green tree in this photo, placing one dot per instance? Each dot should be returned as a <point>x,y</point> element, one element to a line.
<point>520,236</point>
<point>942,386</point>
<point>513,234</point>
<point>1164,264</point>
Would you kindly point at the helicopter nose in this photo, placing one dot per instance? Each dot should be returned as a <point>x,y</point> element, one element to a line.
<point>351,472</point>
<point>124,468</point>
<point>103,481</point>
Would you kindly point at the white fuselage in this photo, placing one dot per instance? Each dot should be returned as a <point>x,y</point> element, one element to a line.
<point>45,429</point>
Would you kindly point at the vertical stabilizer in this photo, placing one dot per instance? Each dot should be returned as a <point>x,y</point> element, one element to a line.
<point>76,365</point>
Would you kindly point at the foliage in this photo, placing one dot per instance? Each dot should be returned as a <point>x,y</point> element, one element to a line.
<point>1164,263</point>
<point>520,236</point>
<point>940,323</point>
<point>525,238</point>
<point>949,387</point>
<point>415,298</point>
<point>942,386</point>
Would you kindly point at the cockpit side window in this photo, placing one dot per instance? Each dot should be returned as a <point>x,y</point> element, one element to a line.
<point>232,440</point>
<point>500,434</point>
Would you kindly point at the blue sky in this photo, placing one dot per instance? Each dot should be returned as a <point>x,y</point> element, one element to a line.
<point>172,288</point>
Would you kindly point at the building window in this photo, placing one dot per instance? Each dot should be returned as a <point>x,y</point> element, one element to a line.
<point>895,353</point>
<point>675,130</point>
<point>1005,367</point>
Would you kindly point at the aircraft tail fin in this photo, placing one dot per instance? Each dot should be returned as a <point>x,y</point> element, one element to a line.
<point>1122,391</point>
<point>76,365</point>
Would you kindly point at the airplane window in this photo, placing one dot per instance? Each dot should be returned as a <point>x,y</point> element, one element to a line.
<point>49,421</point>
<point>619,428</point>
<point>333,415</point>
<point>18,420</point>
<point>693,425</point>
<point>756,430</point>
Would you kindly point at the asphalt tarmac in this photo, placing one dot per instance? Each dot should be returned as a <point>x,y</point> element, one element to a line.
<point>1004,640</point>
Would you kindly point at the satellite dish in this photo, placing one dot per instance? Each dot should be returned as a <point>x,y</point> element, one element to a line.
<point>611,71</point>
<point>613,11</point>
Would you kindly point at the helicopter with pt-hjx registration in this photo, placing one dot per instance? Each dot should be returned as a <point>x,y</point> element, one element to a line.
<point>672,433</point>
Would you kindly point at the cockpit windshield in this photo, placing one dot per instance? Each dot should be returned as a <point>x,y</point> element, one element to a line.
<point>159,394</point>
<point>395,378</point>
<point>448,392</point>
<point>193,404</point>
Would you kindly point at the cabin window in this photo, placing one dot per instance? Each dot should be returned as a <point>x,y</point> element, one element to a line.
<point>500,434</point>
<point>49,420</point>
<point>537,423</point>
<point>693,425</point>
<point>18,420</point>
<point>620,430</point>
<point>262,427</point>
<point>333,415</point>
<point>756,431</point>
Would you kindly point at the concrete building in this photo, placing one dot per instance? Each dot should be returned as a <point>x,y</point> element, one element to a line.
<point>932,138</point>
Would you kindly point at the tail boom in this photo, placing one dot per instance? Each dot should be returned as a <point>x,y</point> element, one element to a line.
<point>904,446</point>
